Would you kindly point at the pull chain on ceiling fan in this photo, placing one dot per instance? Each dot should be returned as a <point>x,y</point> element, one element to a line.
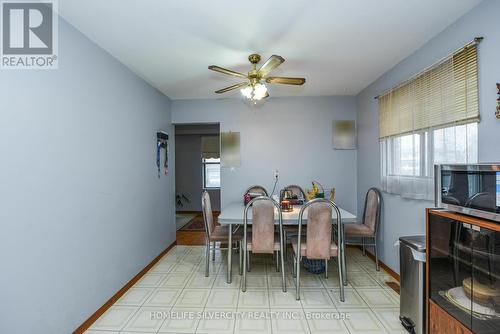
<point>254,88</point>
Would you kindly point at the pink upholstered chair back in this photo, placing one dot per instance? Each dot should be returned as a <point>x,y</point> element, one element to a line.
<point>257,189</point>
<point>371,215</point>
<point>208,217</point>
<point>319,230</point>
<point>263,226</point>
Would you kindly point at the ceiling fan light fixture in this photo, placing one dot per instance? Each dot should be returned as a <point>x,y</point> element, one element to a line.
<point>254,93</point>
<point>247,92</point>
<point>259,91</point>
<point>254,89</point>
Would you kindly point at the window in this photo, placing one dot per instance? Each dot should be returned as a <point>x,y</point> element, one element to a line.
<point>407,150</point>
<point>429,119</point>
<point>408,160</point>
<point>211,173</point>
<point>456,144</point>
<point>210,162</point>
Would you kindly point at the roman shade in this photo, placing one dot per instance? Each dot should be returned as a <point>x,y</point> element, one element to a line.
<point>210,148</point>
<point>445,94</point>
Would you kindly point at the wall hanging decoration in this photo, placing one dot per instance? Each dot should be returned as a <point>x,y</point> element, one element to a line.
<point>161,143</point>
<point>344,134</point>
<point>230,149</point>
<point>497,113</point>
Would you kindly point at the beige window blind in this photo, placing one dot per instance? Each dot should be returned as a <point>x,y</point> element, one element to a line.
<point>210,148</point>
<point>446,94</point>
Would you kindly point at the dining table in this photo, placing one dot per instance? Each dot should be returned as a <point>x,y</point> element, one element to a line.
<point>233,214</point>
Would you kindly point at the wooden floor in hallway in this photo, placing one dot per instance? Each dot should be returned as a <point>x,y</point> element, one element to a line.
<point>191,234</point>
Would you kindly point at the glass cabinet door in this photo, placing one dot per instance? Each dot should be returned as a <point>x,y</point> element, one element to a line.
<point>450,265</point>
<point>486,281</point>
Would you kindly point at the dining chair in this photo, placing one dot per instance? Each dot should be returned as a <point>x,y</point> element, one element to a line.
<point>216,233</point>
<point>257,190</point>
<point>262,239</point>
<point>292,230</point>
<point>319,243</point>
<point>369,224</point>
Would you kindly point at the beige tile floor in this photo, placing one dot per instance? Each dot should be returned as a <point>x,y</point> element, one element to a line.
<point>176,297</point>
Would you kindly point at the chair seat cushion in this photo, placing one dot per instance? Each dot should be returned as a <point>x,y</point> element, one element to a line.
<point>220,233</point>
<point>334,249</point>
<point>276,246</point>
<point>352,230</point>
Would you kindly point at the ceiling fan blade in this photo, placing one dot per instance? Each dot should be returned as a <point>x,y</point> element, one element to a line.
<point>270,64</point>
<point>286,81</point>
<point>227,89</point>
<point>226,71</point>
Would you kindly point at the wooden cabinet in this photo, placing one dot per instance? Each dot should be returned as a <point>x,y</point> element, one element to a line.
<point>440,322</point>
<point>463,274</point>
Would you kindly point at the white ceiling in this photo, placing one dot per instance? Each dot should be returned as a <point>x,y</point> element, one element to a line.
<point>340,46</point>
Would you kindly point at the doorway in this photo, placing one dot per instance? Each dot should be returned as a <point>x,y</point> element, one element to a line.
<point>197,166</point>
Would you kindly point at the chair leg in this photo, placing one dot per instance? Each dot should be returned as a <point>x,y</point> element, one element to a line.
<point>376,254</point>
<point>277,261</point>
<point>297,279</point>
<point>213,251</point>
<point>363,242</point>
<point>326,268</point>
<point>245,260</point>
<point>207,259</point>
<point>283,281</point>
<point>343,264</point>
<point>284,245</point>
<point>249,261</point>
<point>341,275</point>
<point>240,247</point>
<point>285,250</point>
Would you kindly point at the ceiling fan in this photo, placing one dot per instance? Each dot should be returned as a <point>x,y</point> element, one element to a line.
<point>253,88</point>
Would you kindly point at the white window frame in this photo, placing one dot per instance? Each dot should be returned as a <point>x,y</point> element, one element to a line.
<point>397,183</point>
<point>423,154</point>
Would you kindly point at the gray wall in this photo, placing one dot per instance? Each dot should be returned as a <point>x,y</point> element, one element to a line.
<point>293,135</point>
<point>407,217</point>
<point>188,179</point>
<point>81,208</point>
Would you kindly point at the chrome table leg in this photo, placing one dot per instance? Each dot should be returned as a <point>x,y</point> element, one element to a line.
<point>229,254</point>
